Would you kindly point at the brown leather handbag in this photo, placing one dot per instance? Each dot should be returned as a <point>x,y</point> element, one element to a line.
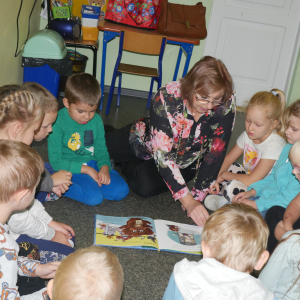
<point>182,20</point>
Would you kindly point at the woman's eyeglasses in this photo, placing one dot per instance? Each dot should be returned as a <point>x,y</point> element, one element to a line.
<point>205,101</point>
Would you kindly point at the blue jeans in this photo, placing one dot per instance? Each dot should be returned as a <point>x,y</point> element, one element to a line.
<point>86,190</point>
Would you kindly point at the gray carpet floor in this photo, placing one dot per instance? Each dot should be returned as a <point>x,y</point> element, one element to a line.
<point>146,272</point>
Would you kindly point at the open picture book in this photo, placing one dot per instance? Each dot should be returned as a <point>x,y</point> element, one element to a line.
<point>146,233</point>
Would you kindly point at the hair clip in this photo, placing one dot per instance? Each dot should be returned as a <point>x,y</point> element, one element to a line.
<point>274,93</point>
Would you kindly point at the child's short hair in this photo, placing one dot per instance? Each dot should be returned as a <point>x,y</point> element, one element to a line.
<point>294,153</point>
<point>17,104</point>
<point>20,168</point>
<point>83,87</point>
<point>92,273</point>
<point>237,236</point>
<point>43,96</point>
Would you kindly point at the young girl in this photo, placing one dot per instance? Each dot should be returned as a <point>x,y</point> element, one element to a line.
<point>20,116</point>
<point>259,143</point>
<point>281,186</point>
<point>281,274</point>
<point>279,219</point>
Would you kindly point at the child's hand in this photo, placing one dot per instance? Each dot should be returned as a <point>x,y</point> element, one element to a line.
<point>47,270</point>
<point>248,202</point>
<point>279,230</point>
<point>63,228</point>
<point>214,188</point>
<point>91,172</point>
<point>56,190</point>
<point>104,177</point>
<point>243,195</point>
<point>62,177</point>
<point>60,238</point>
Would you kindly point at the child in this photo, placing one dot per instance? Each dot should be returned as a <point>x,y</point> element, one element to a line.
<point>260,145</point>
<point>53,184</point>
<point>77,144</point>
<point>281,186</point>
<point>281,274</point>
<point>92,273</point>
<point>279,219</point>
<point>234,242</point>
<point>20,117</point>
<point>21,168</point>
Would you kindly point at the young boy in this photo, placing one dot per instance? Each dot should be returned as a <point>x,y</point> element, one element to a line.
<point>21,168</point>
<point>234,242</point>
<point>77,144</point>
<point>92,273</point>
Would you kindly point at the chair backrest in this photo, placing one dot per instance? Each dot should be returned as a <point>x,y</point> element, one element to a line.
<point>142,43</point>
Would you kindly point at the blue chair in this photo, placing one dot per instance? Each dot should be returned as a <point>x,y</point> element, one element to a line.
<point>139,43</point>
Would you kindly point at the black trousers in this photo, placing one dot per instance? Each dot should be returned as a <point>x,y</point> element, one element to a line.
<point>142,175</point>
<point>273,216</point>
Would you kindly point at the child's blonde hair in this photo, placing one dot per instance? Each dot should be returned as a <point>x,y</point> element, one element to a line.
<point>92,273</point>
<point>20,105</point>
<point>43,96</point>
<point>294,153</point>
<point>237,235</point>
<point>20,168</point>
<point>292,110</point>
<point>273,103</point>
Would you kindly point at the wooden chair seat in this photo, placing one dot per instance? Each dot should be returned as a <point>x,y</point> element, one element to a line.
<point>137,70</point>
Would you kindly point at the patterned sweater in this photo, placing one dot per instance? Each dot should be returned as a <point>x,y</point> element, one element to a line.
<point>11,265</point>
<point>175,140</point>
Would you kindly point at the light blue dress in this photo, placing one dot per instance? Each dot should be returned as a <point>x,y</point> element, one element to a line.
<point>278,188</point>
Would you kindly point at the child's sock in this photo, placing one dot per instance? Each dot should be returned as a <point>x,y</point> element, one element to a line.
<point>51,197</point>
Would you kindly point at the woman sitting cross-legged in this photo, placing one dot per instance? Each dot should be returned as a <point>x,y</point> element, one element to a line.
<point>185,137</point>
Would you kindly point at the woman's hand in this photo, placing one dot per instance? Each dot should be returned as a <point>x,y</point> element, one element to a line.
<point>195,210</point>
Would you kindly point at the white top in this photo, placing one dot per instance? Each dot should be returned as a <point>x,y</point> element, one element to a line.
<point>211,280</point>
<point>11,265</point>
<point>282,268</point>
<point>268,149</point>
<point>32,221</point>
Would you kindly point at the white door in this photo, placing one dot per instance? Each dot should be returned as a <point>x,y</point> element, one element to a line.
<point>257,40</point>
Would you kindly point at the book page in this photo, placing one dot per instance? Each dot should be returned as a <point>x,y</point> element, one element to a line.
<point>178,237</point>
<point>132,232</point>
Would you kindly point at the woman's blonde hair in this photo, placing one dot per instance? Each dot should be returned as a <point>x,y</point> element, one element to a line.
<point>17,104</point>
<point>21,168</point>
<point>273,103</point>
<point>92,273</point>
<point>292,110</point>
<point>237,236</point>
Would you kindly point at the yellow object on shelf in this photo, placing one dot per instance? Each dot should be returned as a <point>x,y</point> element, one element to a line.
<point>90,33</point>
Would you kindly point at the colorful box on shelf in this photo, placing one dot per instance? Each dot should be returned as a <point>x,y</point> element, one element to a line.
<point>90,33</point>
<point>91,12</point>
<point>87,22</point>
<point>62,12</point>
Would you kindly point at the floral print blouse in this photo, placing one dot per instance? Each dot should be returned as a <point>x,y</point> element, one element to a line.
<point>175,140</point>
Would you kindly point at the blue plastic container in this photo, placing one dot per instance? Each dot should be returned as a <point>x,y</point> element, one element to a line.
<point>45,76</point>
<point>94,11</point>
<point>45,44</point>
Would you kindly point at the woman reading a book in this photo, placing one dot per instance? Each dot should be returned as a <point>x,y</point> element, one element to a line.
<point>185,137</point>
